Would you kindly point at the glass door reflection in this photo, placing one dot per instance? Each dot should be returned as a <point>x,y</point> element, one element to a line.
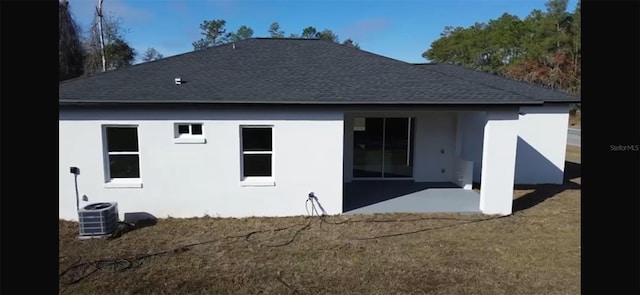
<point>382,148</point>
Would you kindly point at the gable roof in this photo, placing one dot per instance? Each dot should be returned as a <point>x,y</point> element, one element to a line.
<point>291,71</point>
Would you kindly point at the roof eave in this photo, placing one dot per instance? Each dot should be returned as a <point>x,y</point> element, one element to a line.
<point>563,101</point>
<point>74,102</point>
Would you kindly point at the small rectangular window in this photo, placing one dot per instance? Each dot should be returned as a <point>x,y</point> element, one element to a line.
<point>257,151</point>
<point>189,133</point>
<point>196,129</point>
<point>183,129</point>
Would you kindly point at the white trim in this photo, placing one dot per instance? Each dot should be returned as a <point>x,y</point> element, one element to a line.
<point>190,139</point>
<point>258,152</point>
<point>124,183</point>
<point>257,180</point>
<point>123,153</point>
<point>119,182</point>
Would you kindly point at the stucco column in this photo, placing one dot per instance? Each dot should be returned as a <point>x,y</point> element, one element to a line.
<point>542,144</point>
<point>499,162</point>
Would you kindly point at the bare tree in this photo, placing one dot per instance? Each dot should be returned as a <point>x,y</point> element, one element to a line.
<point>107,50</point>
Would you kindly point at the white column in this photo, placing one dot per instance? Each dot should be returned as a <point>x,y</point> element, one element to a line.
<point>541,154</point>
<point>499,162</point>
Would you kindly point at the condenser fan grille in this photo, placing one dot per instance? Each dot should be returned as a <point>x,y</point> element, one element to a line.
<point>98,219</point>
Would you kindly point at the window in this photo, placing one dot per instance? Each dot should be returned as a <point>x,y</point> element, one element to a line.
<point>122,152</point>
<point>189,133</point>
<point>257,151</point>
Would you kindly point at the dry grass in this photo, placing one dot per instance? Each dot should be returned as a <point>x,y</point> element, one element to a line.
<point>534,251</point>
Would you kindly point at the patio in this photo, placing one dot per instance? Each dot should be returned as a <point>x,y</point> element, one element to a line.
<point>406,196</point>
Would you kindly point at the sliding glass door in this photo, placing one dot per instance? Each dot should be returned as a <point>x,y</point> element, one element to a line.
<point>382,148</point>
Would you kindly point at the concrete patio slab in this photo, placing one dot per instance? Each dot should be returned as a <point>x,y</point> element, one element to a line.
<point>367,197</point>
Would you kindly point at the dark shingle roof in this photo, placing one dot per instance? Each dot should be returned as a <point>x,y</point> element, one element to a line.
<point>502,83</point>
<point>263,70</point>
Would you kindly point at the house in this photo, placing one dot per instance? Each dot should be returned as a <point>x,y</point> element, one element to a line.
<point>253,127</point>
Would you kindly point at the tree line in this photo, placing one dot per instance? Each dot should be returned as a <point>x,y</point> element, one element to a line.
<point>214,33</point>
<point>102,45</point>
<point>543,48</point>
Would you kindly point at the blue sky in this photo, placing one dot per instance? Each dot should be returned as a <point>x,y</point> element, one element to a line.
<point>400,29</point>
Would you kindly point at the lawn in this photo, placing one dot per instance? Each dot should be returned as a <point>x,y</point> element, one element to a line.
<point>534,251</point>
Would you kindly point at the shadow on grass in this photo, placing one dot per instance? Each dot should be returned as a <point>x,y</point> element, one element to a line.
<point>543,192</point>
<point>133,221</point>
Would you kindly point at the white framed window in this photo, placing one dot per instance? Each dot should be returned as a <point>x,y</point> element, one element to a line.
<point>257,155</point>
<point>122,156</point>
<point>189,133</point>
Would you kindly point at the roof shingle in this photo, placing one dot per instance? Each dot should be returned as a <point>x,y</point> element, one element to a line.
<point>264,70</point>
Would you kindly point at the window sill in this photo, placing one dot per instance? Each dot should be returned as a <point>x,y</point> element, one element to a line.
<point>190,140</point>
<point>267,181</point>
<point>133,183</point>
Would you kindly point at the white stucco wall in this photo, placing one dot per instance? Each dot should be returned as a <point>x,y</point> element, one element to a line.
<point>471,135</point>
<point>542,139</point>
<point>435,142</point>
<point>542,144</point>
<point>185,180</point>
<point>498,162</point>
<point>463,173</point>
